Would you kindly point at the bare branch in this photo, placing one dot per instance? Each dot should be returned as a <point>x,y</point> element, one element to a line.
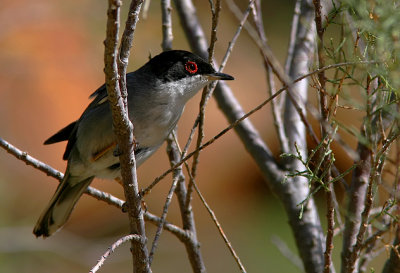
<point>327,136</point>
<point>123,129</point>
<point>166,25</point>
<point>213,216</point>
<point>29,160</point>
<point>287,252</point>
<point>220,230</point>
<point>207,91</point>
<point>260,38</point>
<point>192,245</point>
<point>163,217</point>
<point>181,234</point>
<point>97,194</point>
<point>112,248</point>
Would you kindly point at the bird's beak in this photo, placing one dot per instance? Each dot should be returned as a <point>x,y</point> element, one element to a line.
<point>219,76</point>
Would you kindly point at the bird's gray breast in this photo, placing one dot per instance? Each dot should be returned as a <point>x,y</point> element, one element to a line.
<point>154,118</point>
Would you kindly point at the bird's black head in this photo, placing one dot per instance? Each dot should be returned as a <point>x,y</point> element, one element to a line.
<point>174,65</point>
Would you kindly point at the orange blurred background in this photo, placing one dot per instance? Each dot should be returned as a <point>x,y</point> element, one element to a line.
<point>51,60</point>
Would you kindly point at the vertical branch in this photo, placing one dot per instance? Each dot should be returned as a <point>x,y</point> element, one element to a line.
<point>192,246</point>
<point>358,191</point>
<point>355,205</point>
<point>330,216</point>
<point>326,165</point>
<point>276,107</point>
<point>375,174</point>
<point>123,130</point>
<point>298,61</point>
<point>164,214</point>
<point>166,25</point>
<point>126,45</point>
<point>215,10</point>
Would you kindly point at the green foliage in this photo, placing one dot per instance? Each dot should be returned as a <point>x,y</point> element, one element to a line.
<point>378,23</point>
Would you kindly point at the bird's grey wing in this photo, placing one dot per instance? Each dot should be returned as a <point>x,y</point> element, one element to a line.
<point>66,133</point>
<point>62,135</point>
<point>69,132</point>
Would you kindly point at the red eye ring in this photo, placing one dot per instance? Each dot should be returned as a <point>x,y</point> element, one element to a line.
<point>191,67</point>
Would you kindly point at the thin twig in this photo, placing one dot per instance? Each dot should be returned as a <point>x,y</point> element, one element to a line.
<point>275,105</point>
<point>207,91</point>
<point>330,216</point>
<point>268,57</point>
<point>190,241</point>
<point>287,252</point>
<point>180,233</point>
<point>29,160</point>
<point>112,248</point>
<point>163,218</point>
<point>192,245</point>
<point>242,22</point>
<point>220,230</point>
<point>213,216</point>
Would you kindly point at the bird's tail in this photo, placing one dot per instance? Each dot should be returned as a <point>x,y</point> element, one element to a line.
<point>61,205</point>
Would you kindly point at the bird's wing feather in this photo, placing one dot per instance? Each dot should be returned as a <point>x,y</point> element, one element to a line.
<point>62,135</point>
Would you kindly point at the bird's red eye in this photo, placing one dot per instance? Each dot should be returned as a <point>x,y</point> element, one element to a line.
<point>191,67</point>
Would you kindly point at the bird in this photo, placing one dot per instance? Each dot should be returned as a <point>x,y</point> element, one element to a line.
<point>157,94</point>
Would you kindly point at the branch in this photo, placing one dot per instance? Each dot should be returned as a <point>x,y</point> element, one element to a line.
<point>97,194</point>
<point>123,129</point>
<point>163,217</point>
<point>31,161</point>
<point>166,25</point>
<point>259,38</point>
<point>327,136</point>
<point>212,214</point>
<point>220,230</point>
<point>192,245</point>
<point>112,248</point>
<point>207,91</point>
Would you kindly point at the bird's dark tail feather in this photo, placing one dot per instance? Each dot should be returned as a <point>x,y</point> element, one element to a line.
<point>61,205</point>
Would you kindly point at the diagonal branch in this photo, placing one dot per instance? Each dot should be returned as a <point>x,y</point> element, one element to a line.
<point>97,194</point>
<point>212,214</point>
<point>192,245</point>
<point>111,249</point>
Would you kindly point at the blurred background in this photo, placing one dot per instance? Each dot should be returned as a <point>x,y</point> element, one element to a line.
<point>51,60</point>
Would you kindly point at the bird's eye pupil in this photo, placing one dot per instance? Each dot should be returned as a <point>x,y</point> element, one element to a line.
<point>191,67</point>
